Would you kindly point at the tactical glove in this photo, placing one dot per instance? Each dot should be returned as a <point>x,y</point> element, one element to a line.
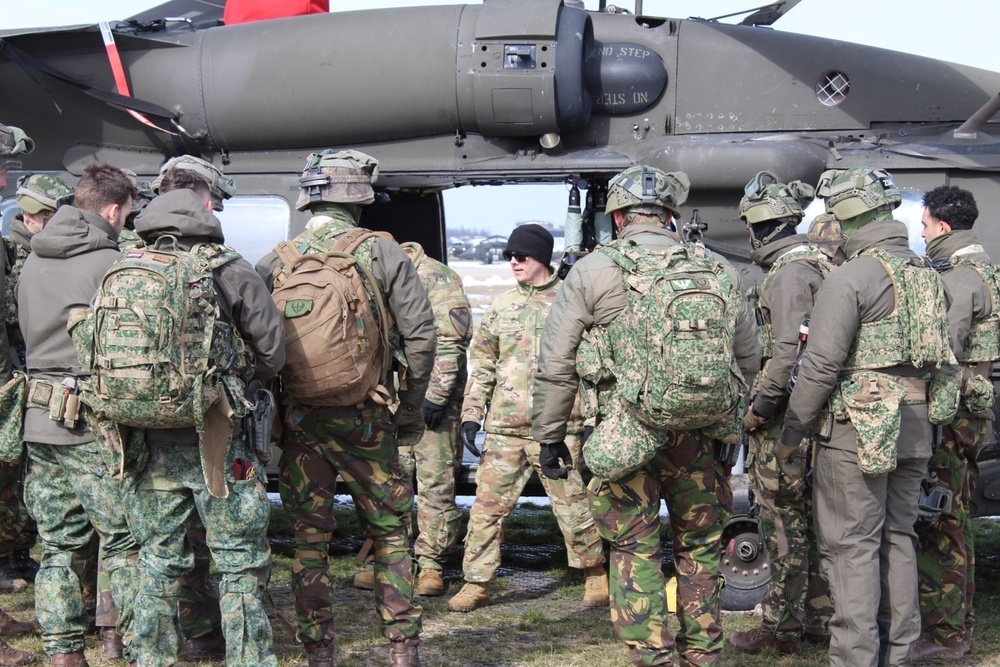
<point>555,460</point>
<point>753,421</point>
<point>409,424</point>
<point>433,413</point>
<point>786,448</point>
<point>587,432</point>
<point>469,431</point>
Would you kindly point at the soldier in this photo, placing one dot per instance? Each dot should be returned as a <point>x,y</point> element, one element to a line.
<point>643,202</point>
<point>176,482</point>
<point>68,491</point>
<point>863,389</point>
<point>358,442</point>
<point>945,549</point>
<point>796,605</point>
<point>434,461</point>
<point>503,361</point>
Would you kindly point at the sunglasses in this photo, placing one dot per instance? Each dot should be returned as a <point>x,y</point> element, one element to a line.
<point>519,256</point>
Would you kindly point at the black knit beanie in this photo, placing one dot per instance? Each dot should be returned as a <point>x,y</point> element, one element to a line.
<point>532,240</point>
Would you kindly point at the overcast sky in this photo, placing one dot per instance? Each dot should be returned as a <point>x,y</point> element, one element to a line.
<point>961,31</point>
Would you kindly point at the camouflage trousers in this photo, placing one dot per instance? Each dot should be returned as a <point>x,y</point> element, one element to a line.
<point>198,601</point>
<point>798,596</point>
<point>683,473</point>
<point>433,463</point>
<point>160,502</point>
<point>505,468</point>
<point>70,494</point>
<point>360,445</point>
<point>17,528</point>
<point>946,547</point>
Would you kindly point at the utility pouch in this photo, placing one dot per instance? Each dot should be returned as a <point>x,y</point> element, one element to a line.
<point>978,396</point>
<point>943,396</point>
<point>620,444</point>
<point>934,500</point>
<point>13,398</point>
<point>871,401</point>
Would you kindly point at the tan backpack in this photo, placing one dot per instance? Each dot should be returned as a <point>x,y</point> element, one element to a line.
<point>337,348</point>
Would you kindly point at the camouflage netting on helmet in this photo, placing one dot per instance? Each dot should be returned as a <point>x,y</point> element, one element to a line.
<point>42,192</point>
<point>648,190</point>
<point>337,177</point>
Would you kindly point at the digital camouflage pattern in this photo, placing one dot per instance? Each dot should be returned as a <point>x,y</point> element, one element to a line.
<point>198,601</point>
<point>360,446</point>
<point>946,547</point>
<point>627,513</point>
<point>433,461</point>
<point>42,192</point>
<point>70,494</point>
<point>507,463</point>
<point>17,247</point>
<point>871,401</point>
<point>17,528</point>
<point>160,504</point>
<point>128,241</point>
<point>798,596</point>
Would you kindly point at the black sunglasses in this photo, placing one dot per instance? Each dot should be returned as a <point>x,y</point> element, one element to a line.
<point>519,256</point>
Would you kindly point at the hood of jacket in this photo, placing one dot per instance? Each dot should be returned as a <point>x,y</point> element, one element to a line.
<point>180,213</point>
<point>948,244</point>
<point>768,254</point>
<point>73,231</point>
<point>885,233</point>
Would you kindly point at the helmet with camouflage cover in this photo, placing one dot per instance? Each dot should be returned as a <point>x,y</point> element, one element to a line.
<point>41,192</point>
<point>13,141</point>
<point>338,177</point>
<point>222,187</point>
<point>767,198</point>
<point>825,233</point>
<point>852,192</point>
<point>646,189</point>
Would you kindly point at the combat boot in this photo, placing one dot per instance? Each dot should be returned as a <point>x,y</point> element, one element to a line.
<point>471,597</point>
<point>596,592</point>
<point>112,644</point>
<point>967,642</point>
<point>430,583</point>
<point>322,654</point>
<point>76,659</point>
<point>403,653</point>
<point>818,638</point>
<point>25,565</point>
<point>205,648</point>
<point>11,626</point>
<point>761,639</point>
<point>11,657</point>
<point>927,652</point>
<point>365,579</point>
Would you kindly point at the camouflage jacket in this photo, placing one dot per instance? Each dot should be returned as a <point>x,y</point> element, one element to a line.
<point>593,294</point>
<point>412,334</point>
<point>786,299</point>
<point>858,291</point>
<point>502,362</point>
<point>68,260</point>
<point>17,247</point>
<point>243,299</point>
<point>452,325</point>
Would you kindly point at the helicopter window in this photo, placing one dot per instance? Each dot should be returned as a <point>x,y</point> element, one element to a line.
<point>254,224</point>
<point>833,88</point>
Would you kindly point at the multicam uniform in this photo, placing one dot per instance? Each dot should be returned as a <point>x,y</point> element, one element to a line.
<point>865,523</point>
<point>797,598</point>
<point>502,360</point>
<point>627,511</point>
<point>434,460</point>
<point>360,445</point>
<point>945,547</point>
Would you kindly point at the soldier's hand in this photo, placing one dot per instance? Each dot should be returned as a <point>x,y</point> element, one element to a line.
<point>468,434</point>
<point>555,460</point>
<point>753,421</point>
<point>787,447</point>
<point>433,413</point>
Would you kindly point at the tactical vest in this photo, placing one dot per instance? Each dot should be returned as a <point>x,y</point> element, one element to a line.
<point>800,253</point>
<point>916,331</point>
<point>983,343</point>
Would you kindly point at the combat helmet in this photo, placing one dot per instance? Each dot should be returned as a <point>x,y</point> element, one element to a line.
<point>13,141</point>
<point>767,199</point>
<point>338,177</point>
<point>825,233</point>
<point>851,192</point>
<point>645,189</point>
<point>41,192</point>
<point>222,187</point>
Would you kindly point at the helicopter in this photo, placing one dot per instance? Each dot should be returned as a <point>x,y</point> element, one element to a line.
<point>504,92</point>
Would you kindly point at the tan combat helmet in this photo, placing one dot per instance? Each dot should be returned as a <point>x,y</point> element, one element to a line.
<point>222,187</point>
<point>341,177</point>
<point>41,192</point>
<point>767,199</point>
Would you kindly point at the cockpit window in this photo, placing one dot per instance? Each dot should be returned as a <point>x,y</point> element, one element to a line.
<point>254,224</point>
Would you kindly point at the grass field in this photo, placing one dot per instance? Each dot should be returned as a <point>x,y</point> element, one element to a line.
<point>535,619</point>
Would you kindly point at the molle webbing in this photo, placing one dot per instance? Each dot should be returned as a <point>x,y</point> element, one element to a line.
<point>983,342</point>
<point>799,253</point>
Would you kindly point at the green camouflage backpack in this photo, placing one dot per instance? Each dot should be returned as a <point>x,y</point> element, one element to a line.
<point>673,343</point>
<point>158,350</point>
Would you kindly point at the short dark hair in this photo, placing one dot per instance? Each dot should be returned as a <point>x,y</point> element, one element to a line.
<point>953,205</point>
<point>185,179</point>
<point>102,185</point>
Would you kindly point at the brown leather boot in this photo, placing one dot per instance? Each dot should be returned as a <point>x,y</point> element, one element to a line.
<point>761,639</point>
<point>112,644</point>
<point>926,651</point>
<point>403,653</point>
<point>322,654</point>
<point>596,592</point>
<point>11,626</point>
<point>205,648</point>
<point>11,657</point>
<point>430,583</point>
<point>75,659</point>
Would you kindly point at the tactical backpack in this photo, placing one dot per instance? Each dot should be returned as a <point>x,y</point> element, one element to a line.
<point>672,346</point>
<point>337,350</point>
<point>158,349</point>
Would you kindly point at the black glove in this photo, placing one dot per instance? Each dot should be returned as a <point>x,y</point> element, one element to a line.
<point>551,456</point>
<point>469,431</point>
<point>433,413</point>
<point>587,432</point>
